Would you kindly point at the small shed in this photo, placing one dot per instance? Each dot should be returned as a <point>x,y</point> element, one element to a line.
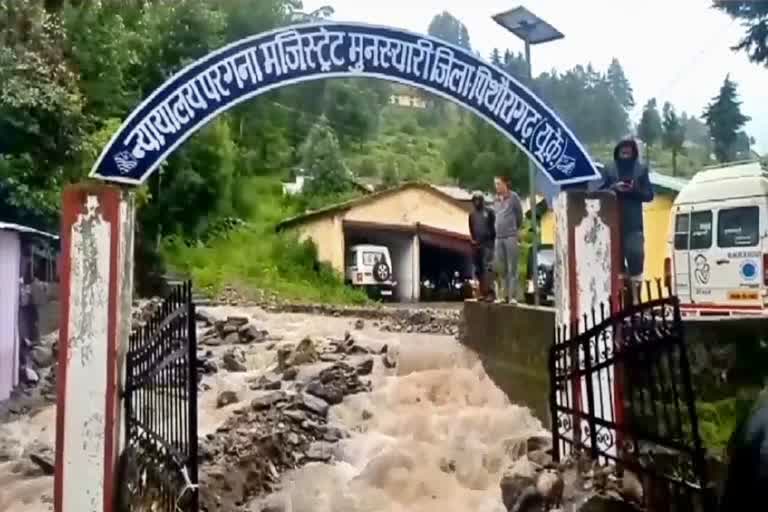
<point>27,264</point>
<point>425,229</point>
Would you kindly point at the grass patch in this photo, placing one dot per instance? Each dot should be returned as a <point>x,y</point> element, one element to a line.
<point>256,257</point>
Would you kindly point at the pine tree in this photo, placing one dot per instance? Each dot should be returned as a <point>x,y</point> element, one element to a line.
<point>724,118</point>
<point>620,86</point>
<point>496,57</point>
<point>754,16</point>
<point>322,161</point>
<point>674,134</point>
<point>650,128</point>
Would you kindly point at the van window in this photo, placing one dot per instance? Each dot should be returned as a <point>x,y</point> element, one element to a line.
<point>738,227</point>
<point>701,230</point>
<point>682,227</point>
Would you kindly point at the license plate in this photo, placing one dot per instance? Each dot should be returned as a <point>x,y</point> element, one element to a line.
<point>386,292</point>
<point>743,295</point>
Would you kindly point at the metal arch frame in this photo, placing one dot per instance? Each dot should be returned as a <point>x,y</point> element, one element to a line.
<point>170,85</point>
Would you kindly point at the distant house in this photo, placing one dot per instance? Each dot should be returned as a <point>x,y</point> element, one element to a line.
<point>425,229</point>
<point>407,100</point>
<point>291,188</point>
<point>655,217</point>
<point>28,304</point>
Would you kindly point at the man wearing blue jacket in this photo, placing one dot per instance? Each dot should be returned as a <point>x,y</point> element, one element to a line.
<point>629,179</point>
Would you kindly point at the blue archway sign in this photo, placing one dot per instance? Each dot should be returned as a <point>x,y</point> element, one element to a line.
<point>315,51</point>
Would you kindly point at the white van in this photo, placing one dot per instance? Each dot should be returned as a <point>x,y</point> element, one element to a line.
<point>718,246</point>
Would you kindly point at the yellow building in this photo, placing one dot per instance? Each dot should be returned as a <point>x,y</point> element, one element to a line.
<point>425,228</point>
<point>655,219</point>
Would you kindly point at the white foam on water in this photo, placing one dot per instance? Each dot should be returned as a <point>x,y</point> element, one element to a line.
<point>434,437</point>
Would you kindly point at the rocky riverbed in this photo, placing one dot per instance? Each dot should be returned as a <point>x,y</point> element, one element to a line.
<point>312,413</point>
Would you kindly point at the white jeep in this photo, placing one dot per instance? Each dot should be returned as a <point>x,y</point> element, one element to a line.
<point>370,267</point>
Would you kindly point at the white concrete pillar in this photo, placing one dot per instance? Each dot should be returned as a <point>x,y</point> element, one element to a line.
<point>587,278</point>
<point>416,265</point>
<point>96,296</point>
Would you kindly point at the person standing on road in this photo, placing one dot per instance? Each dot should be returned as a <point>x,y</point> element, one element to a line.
<point>509,219</point>
<point>483,233</point>
<point>629,179</point>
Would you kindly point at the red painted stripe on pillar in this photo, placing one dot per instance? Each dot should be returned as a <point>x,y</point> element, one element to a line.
<point>71,206</point>
<point>110,200</point>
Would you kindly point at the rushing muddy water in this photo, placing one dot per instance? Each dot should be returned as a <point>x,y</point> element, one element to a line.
<point>434,435</point>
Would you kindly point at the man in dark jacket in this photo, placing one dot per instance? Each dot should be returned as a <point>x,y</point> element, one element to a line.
<point>483,234</point>
<point>629,179</point>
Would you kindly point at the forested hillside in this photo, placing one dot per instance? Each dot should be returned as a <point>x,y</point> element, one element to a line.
<point>71,70</point>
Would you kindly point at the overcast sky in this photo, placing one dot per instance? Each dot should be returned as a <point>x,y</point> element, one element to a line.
<point>674,50</point>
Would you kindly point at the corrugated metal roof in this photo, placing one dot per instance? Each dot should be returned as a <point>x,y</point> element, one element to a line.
<point>457,193</point>
<point>8,226</point>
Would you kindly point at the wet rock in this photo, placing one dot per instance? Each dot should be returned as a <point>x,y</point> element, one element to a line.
<point>268,400</point>
<point>234,361</point>
<point>211,339</point>
<point>42,356</point>
<point>550,486</point>
<point>231,338</point>
<point>389,360</point>
<point>320,451</point>
<point>226,398</point>
<point>365,367</point>
<point>330,394</point>
<point>290,374</point>
<point>535,443</point>
<point>267,383</point>
<point>305,352</point>
<point>518,479</point>
<point>44,461</point>
<point>9,450</point>
<point>631,488</point>
<point>331,358</point>
<point>30,375</point>
<point>314,404</point>
<point>448,466</point>
<point>205,316</point>
<point>607,503</point>
<point>251,334</point>
<point>237,321</point>
<point>359,324</point>
<point>540,458</point>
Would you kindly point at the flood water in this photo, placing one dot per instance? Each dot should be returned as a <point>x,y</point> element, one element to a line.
<point>434,435</point>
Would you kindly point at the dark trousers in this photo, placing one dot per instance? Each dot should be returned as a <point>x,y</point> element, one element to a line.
<point>482,260</point>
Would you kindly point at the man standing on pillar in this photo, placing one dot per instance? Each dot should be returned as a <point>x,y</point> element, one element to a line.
<point>629,179</point>
<point>509,218</point>
<point>483,233</point>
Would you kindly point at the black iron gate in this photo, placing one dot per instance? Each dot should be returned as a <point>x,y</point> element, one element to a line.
<point>160,458</point>
<point>621,394</point>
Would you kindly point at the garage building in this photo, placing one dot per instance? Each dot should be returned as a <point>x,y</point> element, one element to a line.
<point>425,229</point>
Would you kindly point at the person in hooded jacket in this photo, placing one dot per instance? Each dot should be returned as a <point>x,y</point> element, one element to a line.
<point>629,179</point>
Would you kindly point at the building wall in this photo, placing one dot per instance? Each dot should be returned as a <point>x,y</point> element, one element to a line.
<point>656,221</point>
<point>328,235</point>
<point>411,206</point>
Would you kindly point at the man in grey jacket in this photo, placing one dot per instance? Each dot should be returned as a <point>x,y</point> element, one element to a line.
<point>509,218</point>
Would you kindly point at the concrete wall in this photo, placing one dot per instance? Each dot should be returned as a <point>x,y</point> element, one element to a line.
<point>729,360</point>
<point>513,343</point>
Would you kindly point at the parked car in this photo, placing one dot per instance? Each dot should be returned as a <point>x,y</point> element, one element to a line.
<point>370,267</point>
<point>545,276</point>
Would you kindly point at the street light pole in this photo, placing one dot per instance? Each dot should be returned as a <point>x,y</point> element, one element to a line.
<point>532,30</point>
<point>532,198</point>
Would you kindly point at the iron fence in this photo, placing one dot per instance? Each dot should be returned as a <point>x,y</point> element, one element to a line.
<point>621,393</point>
<point>160,458</point>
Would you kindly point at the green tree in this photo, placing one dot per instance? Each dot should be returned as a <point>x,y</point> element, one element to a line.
<point>323,163</point>
<point>724,119</point>
<point>496,57</point>
<point>673,136</point>
<point>650,129</point>
<point>754,16</point>
<point>448,28</point>
<point>619,85</point>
